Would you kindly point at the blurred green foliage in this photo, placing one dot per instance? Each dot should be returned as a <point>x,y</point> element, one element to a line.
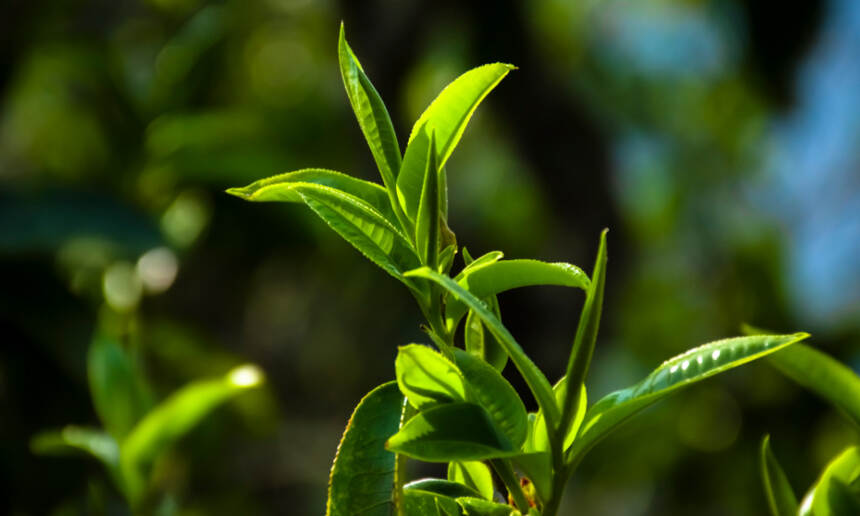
<point>682,125</point>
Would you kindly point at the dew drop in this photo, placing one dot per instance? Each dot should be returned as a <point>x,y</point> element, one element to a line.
<point>685,364</point>
<point>674,368</point>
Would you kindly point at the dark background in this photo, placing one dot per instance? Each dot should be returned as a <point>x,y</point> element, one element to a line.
<point>718,140</point>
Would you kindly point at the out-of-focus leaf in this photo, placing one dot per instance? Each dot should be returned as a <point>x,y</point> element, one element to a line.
<point>427,378</point>
<point>372,116</point>
<point>496,277</point>
<point>824,376</point>
<point>120,393</point>
<point>362,476</point>
<point>488,388</point>
<point>479,507</point>
<point>282,188</point>
<point>837,491</point>
<point>676,373</point>
<point>175,417</point>
<point>781,499</point>
<point>533,376</point>
<point>73,439</point>
<point>473,474</point>
<point>451,432</point>
<point>427,223</point>
<point>447,117</point>
<point>442,487</point>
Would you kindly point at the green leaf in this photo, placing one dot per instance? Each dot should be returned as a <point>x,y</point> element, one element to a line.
<point>362,476</point>
<point>427,378</point>
<point>479,507</point>
<point>119,390</point>
<point>452,432</point>
<point>173,418</point>
<point>424,503</point>
<point>442,487</point>
<point>534,378</point>
<point>586,337</point>
<point>372,116</point>
<point>473,474</point>
<point>678,372</point>
<point>282,188</point>
<point>446,259</point>
<point>824,376</point>
<point>781,499</point>
<point>427,225</point>
<point>541,439</point>
<point>447,117</point>
<point>494,277</point>
<point>490,390</point>
<point>73,439</point>
<point>474,263</point>
<point>482,345</point>
<point>537,466</point>
<point>831,494</point>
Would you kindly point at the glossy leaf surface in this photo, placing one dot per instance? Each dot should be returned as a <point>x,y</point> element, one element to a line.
<point>362,476</point>
<point>535,379</point>
<point>425,503</point>
<point>120,393</point>
<point>282,188</point>
<point>473,474</point>
<point>781,499</point>
<point>678,372</point>
<point>823,375</point>
<point>427,223</point>
<point>837,491</point>
<point>499,276</point>
<point>489,389</point>
<point>370,111</point>
<point>427,378</point>
<point>451,432</point>
<point>481,343</point>
<point>442,487</point>
<point>174,417</point>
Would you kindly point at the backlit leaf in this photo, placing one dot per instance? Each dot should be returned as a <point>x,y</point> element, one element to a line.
<point>781,499</point>
<point>442,487</point>
<point>427,378</point>
<point>837,491</point>
<point>473,474</point>
<point>427,223</point>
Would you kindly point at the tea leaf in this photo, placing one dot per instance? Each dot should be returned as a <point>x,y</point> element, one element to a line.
<point>541,440</point>
<point>482,345</point>
<point>537,466</point>
<point>442,487</point>
<point>372,116</point>
<point>533,376</point>
<point>447,117</point>
<point>488,279</point>
<point>474,263</point>
<point>780,497</point>
<point>824,376</point>
<point>427,378</point>
<point>424,503</point>
<point>175,417</point>
<point>676,373</point>
<point>501,401</point>
<point>479,507</point>
<point>831,494</point>
<point>120,393</point>
<point>427,225</point>
<point>362,476</point>
<point>473,474</point>
<point>71,439</point>
<point>451,432</point>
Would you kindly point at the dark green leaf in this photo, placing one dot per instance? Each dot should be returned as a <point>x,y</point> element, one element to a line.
<point>473,474</point>
<point>362,476</point>
<point>685,369</point>
<point>427,378</point>
<point>781,499</point>
<point>452,432</point>
<point>442,487</point>
<point>537,466</point>
<point>424,503</point>
<point>489,389</point>
<point>372,116</point>
<point>479,507</point>
<point>173,418</point>
<point>120,393</point>
<point>427,223</point>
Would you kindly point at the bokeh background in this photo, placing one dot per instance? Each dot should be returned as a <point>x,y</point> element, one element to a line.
<point>718,139</point>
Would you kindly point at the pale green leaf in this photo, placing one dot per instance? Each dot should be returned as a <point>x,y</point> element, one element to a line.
<point>427,223</point>
<point>72,439</point>
<point>676,373</point>
<point>427,378</point>
<point>540,439</point>
<point>473,474</point>
<point>480,343</point>
<point>831,494</point>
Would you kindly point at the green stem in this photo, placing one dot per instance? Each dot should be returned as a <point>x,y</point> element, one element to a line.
<point>509,478</point>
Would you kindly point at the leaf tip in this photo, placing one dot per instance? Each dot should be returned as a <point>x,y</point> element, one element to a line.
<point>239,192</point>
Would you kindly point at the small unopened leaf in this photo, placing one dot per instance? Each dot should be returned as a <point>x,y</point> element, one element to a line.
<point>451,432</point>
<point>676,373</point>
<point>427,378</point>
<point>362,476</point>
<point>428,218</point>
<point>781,499</point>
<point>473,474</point>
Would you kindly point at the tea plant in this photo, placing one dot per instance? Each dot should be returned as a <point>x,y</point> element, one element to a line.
<point>837,490</point>
<point>137,431</point>
<point>451,404</point>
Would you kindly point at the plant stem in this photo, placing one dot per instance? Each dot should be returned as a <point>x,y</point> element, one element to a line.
<point>509,478</point>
